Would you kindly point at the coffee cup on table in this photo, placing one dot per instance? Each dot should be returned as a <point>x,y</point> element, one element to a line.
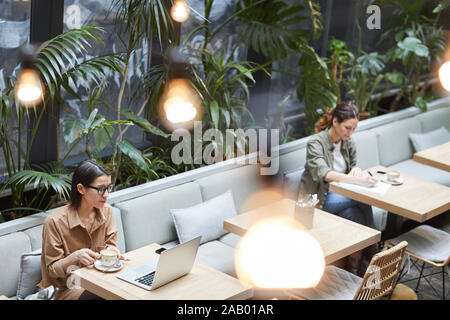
<point>108,257</point>
<point>392,175</point>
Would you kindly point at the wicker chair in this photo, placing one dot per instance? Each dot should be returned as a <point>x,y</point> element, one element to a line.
<point>430,246</point>
<point>378,282</point>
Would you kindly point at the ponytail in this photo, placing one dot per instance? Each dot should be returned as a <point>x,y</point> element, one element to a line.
<point>343,111</point>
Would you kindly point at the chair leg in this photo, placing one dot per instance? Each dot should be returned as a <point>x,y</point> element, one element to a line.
<point>420,277</point>
<point>443,283</point>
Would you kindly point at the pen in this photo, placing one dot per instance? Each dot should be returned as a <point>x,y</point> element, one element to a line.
<point>369,173</point>
<point>382,172</point>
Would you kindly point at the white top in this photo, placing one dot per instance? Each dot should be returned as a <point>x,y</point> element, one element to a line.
<point>339,164</point>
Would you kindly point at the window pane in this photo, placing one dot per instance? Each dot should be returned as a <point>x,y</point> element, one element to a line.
<point>83,13</point>
<point>14,33</point>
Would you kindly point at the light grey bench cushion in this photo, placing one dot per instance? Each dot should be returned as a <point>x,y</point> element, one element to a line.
<point>244,182</point>
<point>230,239</point>
<point>30,274</point>
<point>393,142</point>
<point>147,219</point>
<point>35,235</point>
<point>120,236</point>
<point>423,171</point>
<point>290,161</point>
<point>217,255</point>
<point>422,141</point>
<point>367,155</point>
<point>12,246</point>
<point>291,185</point>
<point>434,119</point>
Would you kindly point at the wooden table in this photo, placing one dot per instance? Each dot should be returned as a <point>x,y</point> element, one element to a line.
<point>337,236</point>
<point>438,156</point>
<point>415,199</point>
<point>202,283</point>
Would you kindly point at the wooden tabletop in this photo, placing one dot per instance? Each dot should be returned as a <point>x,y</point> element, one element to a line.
<point>202,283</point>
<point>415,199</point>
<point>438,156</point>
<point>337,236</point>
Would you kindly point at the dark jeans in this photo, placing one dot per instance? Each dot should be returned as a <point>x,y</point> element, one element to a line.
<point>87,295</point>
<point>349,209</point>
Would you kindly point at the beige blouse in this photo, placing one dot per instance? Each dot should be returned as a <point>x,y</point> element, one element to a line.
<point>63,234</point>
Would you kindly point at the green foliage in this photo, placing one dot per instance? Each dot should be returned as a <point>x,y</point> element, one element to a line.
<point>271,27</point>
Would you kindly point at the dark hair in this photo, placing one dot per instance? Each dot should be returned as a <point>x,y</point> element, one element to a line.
<point>342,112</point>
<point>86,172</point>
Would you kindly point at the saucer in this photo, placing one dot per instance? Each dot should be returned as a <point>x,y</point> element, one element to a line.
<point>397,182</point>
<point>98,265</point>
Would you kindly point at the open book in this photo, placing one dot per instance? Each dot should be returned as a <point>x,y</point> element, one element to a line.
<point>380,188</point>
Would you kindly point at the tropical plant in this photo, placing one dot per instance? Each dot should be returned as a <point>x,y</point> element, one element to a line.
<point>156,166</point>
<point>60,68</point>
<point>419,43</point>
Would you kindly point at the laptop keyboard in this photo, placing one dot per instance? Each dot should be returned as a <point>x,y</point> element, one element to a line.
<point>146,279</point>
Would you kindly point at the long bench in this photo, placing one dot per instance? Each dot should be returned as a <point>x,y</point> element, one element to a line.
<point>142,213</point>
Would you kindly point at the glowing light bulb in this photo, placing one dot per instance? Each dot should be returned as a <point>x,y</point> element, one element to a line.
<point>28,87</point>
<point>179,11</point>
<point>444,75</point>
<point>277,253</point>
<point>180,101</point>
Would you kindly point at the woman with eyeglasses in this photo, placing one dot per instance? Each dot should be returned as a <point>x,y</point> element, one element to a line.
<point>73,235</point>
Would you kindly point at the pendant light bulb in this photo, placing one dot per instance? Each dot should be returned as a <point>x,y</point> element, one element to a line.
<point>179,11</point>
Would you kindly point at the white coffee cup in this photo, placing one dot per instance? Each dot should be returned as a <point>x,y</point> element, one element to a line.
<point>392,175</point>
<point>108,258</point>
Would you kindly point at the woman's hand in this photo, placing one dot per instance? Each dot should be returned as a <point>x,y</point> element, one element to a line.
<point>356,172</point>
<point>367,181</point>
<point>86,256</point>
<point>118,252</point>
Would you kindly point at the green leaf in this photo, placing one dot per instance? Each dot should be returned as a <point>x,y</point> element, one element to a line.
<point>103,137</point>
<point>214,109</point>
<point>135,155</point>
<point>143,123</point>
<point>73,128</point>
<point>421,103</point>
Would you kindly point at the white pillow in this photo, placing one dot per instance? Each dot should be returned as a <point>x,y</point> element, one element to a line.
<point>422,141</point>
<point>204,219</point>
<point>291,183</point>
<point>30,274</point>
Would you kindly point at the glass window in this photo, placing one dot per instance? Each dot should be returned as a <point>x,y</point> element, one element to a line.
<point>14,33</point>
<point>83,13</point>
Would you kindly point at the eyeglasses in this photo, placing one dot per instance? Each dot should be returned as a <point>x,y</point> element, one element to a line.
<point>101,190</point>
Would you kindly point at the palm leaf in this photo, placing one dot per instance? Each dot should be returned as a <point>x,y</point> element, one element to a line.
<point>271,27</point>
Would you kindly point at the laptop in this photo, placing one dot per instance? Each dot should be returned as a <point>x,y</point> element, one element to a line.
<point>171,264</point>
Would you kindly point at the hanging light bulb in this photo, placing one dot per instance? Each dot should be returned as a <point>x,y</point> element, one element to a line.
<point>179,11</point>
<point>28,87</point>
<point>180,103</point>
<point>444,75</point>
<point>277,253</point>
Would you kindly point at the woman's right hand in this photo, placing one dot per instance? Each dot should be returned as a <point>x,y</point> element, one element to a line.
<point>86,256</point>
<point>367,181</point>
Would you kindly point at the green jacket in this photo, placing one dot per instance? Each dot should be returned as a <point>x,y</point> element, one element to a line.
<point>319,161</point>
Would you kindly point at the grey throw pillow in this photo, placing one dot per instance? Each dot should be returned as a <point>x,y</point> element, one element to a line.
<point>291,183</point>
<point>422,141</point>
<point>30,274</point>
<point>204,219</point>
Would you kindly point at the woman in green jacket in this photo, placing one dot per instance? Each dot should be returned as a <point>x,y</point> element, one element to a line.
<point>331,156</point>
